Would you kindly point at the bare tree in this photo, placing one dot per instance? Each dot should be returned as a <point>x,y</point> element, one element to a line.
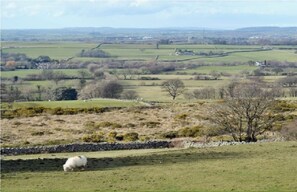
<point>246,112</point>
<point>105,89</point>
<point>174,87</point>
<point>130,95</point>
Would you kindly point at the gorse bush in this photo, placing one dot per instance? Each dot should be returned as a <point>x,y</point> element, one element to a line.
<point>283,106</point>
<point>112,137</point>
<point>181,117</point>
<point>132,136</point>
<point>170,135</point>
<point>36,111</point>
<point>95,137</point>
<point>191,131</point>
<point>196,131</point>
<point>108,124</point>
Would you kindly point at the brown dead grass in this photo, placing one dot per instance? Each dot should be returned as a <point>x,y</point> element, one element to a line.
<point>52,129</point>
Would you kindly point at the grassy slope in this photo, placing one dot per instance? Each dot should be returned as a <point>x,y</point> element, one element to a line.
<point>254,167</point>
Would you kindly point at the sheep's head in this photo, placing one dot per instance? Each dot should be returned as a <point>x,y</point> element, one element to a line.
<point>66,168</point>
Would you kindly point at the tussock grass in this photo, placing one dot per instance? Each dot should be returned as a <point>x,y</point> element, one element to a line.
<point>147,122</point>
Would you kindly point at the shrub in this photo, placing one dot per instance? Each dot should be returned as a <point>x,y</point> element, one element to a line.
<point>93,53</point>
<point>111,89</point>
<point>170,135</point>
<point>283,106</point>
<point>119,137</point>
<point>149,78</point>
<point>70,111</point>
<point>8,114</point>
<point>144,138</point>
<point>95,137</point>
<point>39,109</point>
<point>64,93</point>
<point>132,136</point>
<point>28,112</point>
<point>129,95</point>
<point>181,117</point>
<point>94,110</point>
<point>191,131</point>
<point>112,136</point>
<point>57,111</point>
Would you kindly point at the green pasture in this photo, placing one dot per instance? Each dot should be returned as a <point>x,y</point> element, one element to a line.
<point>242,57</point>
<point>76,103</point>
<point>209,46</point>
<point>55,50</point>
<point>250,167</point>
<point>274,55</point>
<point>148,52</point>
<point>24,72</point>
<point>187,82</point>
<point>52,52</point>
<point>225,47</point>
<point>52,44</point>
<point>221,69</point>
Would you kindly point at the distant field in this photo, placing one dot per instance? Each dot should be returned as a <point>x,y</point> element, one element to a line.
<point>150,90</point>
<point>224,69</point>
<point>148,52</point>
<point>251,167</point>
<point>56,50</point>
<point>23,73</point>
<point>76,104</point>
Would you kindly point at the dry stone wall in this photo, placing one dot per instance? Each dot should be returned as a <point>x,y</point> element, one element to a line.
<point>86,147</point>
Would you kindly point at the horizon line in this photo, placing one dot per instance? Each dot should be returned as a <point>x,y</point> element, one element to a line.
<point>179,28</point>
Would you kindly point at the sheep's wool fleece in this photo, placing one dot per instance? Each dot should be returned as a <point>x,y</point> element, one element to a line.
<point>74,162</point>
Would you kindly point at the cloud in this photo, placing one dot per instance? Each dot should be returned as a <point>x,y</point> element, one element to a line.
<point>147,12</point>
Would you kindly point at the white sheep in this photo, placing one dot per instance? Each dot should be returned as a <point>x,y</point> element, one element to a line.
<point>75,162</point>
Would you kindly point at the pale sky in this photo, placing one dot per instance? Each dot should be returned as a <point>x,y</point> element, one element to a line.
<point>216,14</point>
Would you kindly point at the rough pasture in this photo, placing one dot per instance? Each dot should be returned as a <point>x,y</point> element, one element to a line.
<point>251,167</point>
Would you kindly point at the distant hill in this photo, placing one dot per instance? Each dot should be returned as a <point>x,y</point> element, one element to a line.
<point>178,34</point>
<point>268,29</point>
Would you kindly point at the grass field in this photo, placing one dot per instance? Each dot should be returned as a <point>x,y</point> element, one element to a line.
<point>76,104</point>
<point>251,167</point>
<point>222,69</point>
<point>55,50</point>
<point>23,73</point>
<point>149,90</point>
<point>62,50</point>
